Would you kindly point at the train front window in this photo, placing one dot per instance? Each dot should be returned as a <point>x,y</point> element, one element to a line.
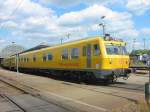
<point>116,50</point>
<point>112,50</point>
<point>96,50</point>
<point>124,50</point>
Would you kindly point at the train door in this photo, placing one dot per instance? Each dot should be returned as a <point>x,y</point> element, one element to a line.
<point>89,56</point>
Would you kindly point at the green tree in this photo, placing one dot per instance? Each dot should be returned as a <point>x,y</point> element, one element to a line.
<point>140,52</point>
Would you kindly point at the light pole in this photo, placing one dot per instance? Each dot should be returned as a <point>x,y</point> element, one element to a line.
<point>133,44</point>
<point>62,38</point>
<point>17,58</point>
<point>17,62</point>
<point>103,25</point>
<point>68,35</point>
<point>148,64</point>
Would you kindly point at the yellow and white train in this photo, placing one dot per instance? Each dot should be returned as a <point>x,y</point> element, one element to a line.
<point>93,57</point>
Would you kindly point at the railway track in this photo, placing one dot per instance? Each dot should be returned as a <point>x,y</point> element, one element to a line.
<point>139,67</point>
<point>116,85</point>
<point>124,86</point>
<point>113,89</point>
<point>120,90</point>
<point>15,106</point>
<point>6,91</point>
<point>16,97</point>
<point>129,87</point>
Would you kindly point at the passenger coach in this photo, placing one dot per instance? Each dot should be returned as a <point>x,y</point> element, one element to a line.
<point>93,57</point>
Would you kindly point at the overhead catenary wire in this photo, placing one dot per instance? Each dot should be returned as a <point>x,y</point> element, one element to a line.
<point>2,26</point>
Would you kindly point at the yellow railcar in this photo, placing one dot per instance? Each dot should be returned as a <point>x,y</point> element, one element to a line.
<point>9,63</point>
<point>91,57</point>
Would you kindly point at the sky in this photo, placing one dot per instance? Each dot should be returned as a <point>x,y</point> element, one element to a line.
<point>32,22</point>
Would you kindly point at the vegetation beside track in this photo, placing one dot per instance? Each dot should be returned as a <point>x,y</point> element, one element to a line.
<point>141,106</point>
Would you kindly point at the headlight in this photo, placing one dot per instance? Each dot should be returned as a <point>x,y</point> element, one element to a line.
<point>110,61</point>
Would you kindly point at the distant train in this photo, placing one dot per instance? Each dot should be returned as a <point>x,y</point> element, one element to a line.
<point>88,58</point>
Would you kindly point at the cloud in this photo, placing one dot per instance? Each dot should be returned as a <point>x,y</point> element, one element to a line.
<point>2,41</point>
<point>146,31</point>
<point>23,15</point>
<point>33,21</point>
<point>116,22</point>
<point>12,9</point>
<point>9,25</point>
<point>60,2</point>
<point>34,9</point>
<point>79,23</point>
<point>66,3</point>
<point>15,13</point>
<point>138,6</point>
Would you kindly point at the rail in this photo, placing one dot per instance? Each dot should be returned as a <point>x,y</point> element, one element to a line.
<point>35,93</point>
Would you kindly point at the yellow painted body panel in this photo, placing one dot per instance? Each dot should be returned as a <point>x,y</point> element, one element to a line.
<point>118,61</point>
<point>97,62</point>
<point>9,62</point>
<point>79,63</point>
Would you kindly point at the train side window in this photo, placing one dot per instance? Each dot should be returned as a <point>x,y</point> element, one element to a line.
<point>27,59</point>
<point>44,57</point>
<point>50,56</point>
<point>22,59</point>
<point>64,54</point>
<point>96,50</point>
<point>84,50</point>
<point>74,53</point>
<point>34,58</point>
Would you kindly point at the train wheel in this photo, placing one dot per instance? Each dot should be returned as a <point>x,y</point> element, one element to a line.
<point>81,77</point>
<point>113,78</point>
<point>125,78</point>
<point>90,78</point>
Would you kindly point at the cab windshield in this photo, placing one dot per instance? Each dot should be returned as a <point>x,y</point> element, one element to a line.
<point>116,50</point>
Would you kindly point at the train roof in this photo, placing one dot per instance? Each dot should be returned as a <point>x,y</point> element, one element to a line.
<point>64,44</point>
<point>74,42</point>
<point>112,42</point>
<point>35,48</point>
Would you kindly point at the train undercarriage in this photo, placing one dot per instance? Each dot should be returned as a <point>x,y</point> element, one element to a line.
<point>80,75</point>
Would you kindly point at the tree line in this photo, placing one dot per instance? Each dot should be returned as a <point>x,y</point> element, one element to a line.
<point>140,52</point>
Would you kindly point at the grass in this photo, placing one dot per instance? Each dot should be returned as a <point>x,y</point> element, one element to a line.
<point>141,106</point>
